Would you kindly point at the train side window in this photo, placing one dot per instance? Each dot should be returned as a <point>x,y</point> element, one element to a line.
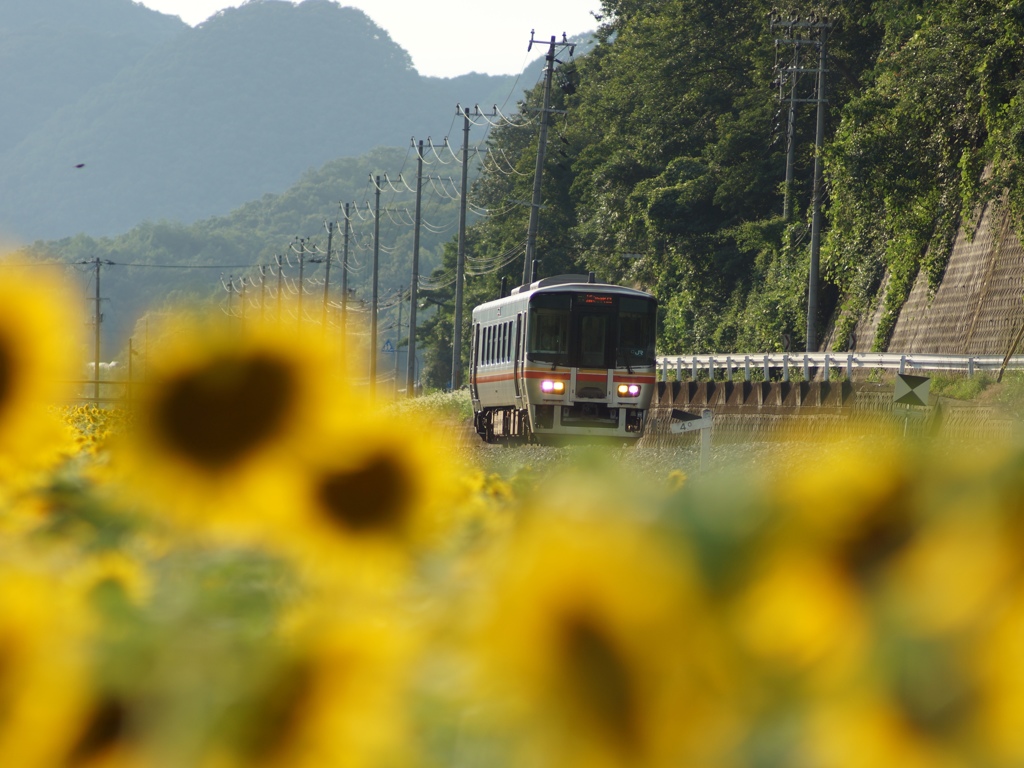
<point>487,346</point>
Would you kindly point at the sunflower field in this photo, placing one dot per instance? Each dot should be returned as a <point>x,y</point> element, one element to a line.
<point>252,564</point>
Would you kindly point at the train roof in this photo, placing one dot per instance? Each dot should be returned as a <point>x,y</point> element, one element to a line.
<point>559,282</point>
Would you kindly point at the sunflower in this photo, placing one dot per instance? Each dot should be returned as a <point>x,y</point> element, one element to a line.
<point>362,504</point>
<point>221,414</point>
<point>336,696</point>
<point>114,571</point>
<point>593,641</point>
<point>797,613</point>
<point>39,354</point>
<point>43,669</point>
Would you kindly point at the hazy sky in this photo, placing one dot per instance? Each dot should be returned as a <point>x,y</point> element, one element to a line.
<point>448,37</point>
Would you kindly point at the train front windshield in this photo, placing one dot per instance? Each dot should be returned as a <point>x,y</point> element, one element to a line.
<point>591,330</point>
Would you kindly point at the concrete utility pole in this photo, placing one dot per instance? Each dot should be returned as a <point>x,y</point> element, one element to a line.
<point>410,367</point>
<point>819,143</point>
<point>398,337</point>
<point>791,135</point>
<point>542,141</point>
<point>301,250</point>
<point>794,28</point>
<point>373,293</point>
<point>263,289</point>
<point>327,276</point>
<point>279,278</point>
<point>460,267</point>
<point>344,280</point>
<point>98,319</point>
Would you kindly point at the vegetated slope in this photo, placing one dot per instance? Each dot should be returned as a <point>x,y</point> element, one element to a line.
<point>221,114</point>
<point>976,307</point>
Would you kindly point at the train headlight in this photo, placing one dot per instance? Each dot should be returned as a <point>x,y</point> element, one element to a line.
<point>552,387</point>
<point>629,390</point>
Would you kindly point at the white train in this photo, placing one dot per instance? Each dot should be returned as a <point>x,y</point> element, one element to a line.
<point>563,358</point>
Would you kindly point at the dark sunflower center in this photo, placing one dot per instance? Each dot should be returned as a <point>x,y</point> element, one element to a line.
<point>7,692</point>
<point>371,498</point>
<point>104,727</point>
<point>6,372</point>
<point>216,415</point>
<point>599,678</point>
<point>880,535</point>
<point>276,718</point>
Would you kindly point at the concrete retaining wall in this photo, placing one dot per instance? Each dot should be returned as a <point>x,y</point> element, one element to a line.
<point>752,411</point>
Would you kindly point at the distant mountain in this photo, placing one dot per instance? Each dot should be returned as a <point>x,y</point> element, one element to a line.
<point>54,51</point>
<point>132,115</point>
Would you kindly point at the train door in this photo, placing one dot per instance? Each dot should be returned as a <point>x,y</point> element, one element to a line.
<point>517,360</point>
<point>474,365</point>
<point>593,332</point>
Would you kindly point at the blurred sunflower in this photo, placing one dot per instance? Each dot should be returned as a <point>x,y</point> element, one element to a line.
<point>44,687</point>
<point>365,501</point>
<point>594,643</point>
<point>857,503</point>
<point>40,354</point>
<point>113,571</point>
<point>870,728</point>
<point>108,736</point>
<point>221,413</point>
<point>797,613</point>
<point>338,696</point>
<point>996,669</point>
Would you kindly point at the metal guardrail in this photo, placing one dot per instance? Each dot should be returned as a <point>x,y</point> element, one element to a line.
<point>829,361</point>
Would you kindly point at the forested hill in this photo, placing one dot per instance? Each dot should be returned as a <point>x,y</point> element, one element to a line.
<point>179,123</point>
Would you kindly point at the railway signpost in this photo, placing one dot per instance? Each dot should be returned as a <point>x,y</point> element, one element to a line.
<point>911,390</point>
<point>684,421</point>
<point>910,398</point>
